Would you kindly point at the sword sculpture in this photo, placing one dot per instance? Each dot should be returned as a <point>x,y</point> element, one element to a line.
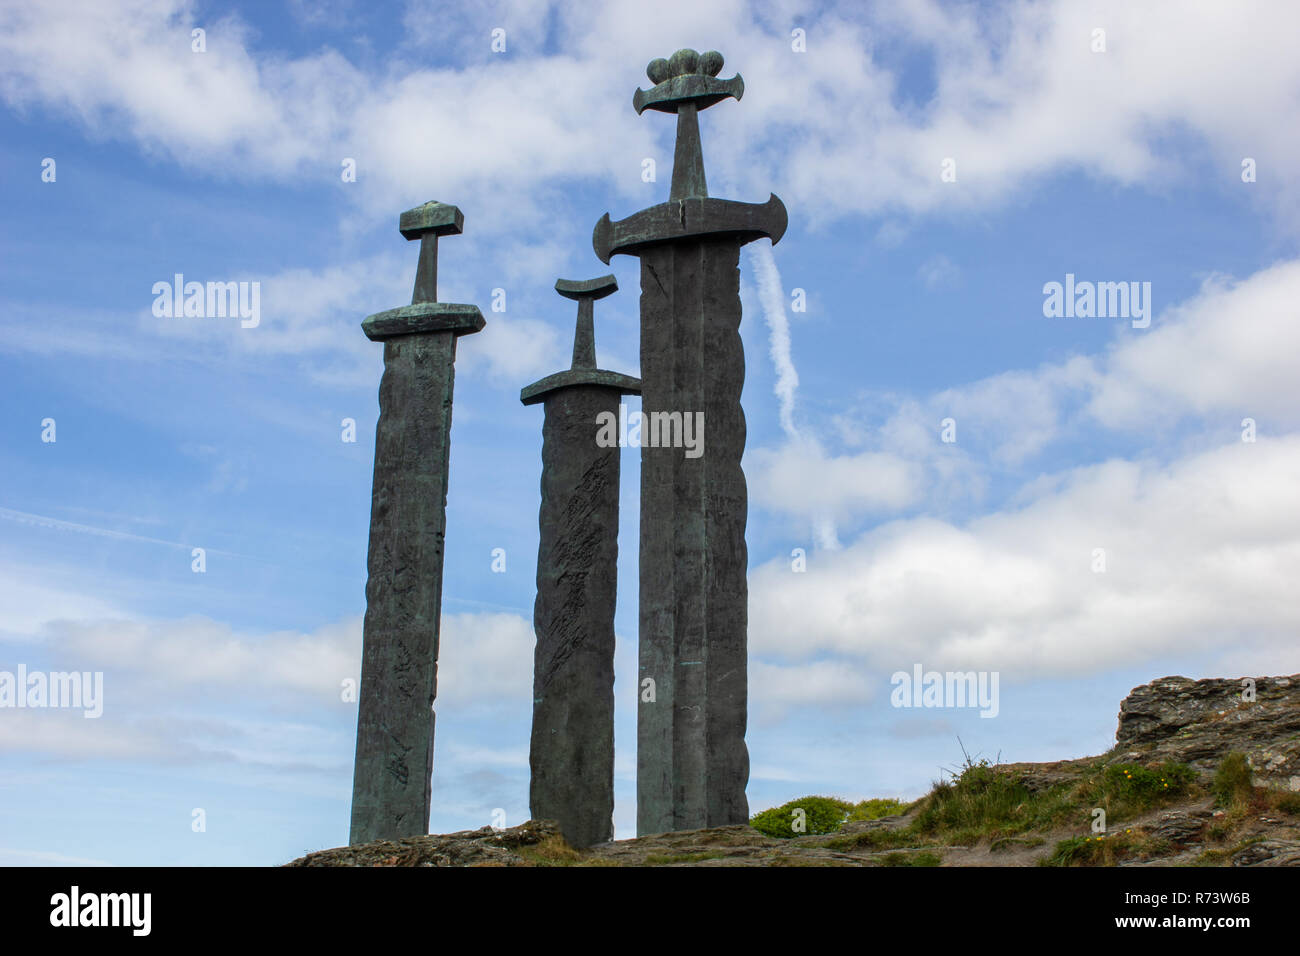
<point>692,763</point>
<point>572,751</point>
<point>392,780</point>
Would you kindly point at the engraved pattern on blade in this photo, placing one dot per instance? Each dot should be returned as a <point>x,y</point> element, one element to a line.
<point>392,785</point>
<point>692,762</point>
<point>392,777</point>
<point>571,755</point>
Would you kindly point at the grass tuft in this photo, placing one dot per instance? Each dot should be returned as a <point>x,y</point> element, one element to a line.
<point>1232,781</point>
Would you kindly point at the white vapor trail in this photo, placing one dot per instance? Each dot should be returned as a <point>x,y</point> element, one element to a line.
<point>772,298</point>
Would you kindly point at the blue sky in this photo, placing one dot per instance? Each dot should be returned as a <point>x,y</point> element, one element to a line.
<point>924,302</point>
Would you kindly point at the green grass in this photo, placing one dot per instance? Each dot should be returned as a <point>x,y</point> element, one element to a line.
<point>1105,850</point>
<point>554,851</point>
<point>982,801</point>
<point>1232,781</point>
<point>877,808</point>
<point>1077,851</point>
<point>923,858</point>
<point>878,840</point>
<point>1218,856</point>
<point>1288,803</point>
<point>979,800</point>
<point>1006,843</point>
<point>660,860</point>
<point>1127,789</point>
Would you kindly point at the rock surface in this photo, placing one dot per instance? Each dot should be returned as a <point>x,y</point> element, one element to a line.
<point>1199,721</point>
<point>1172,719</point>
<point>485,847</point>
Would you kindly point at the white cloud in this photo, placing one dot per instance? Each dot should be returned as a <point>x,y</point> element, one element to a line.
<point>1201,556</point>
<point>66,734</point>
<point>799,478</point>
<point>1230,350</point>
<point>485,658</point>
<point>172,658</point>
<point>1017,95</point>
<point>286,687</point>
<point>1224,355</point>
<point>1011,416</point>
<point>938,271</point>
<point>16,857</point>
<point>777,688</point>
<point>31,597</point>
<point>312,315</point>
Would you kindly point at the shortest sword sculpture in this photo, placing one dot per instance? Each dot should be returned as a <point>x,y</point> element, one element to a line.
<point>392,781</point>
<point>572,751</point>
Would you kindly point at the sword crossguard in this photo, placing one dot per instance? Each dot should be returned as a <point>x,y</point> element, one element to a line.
<point>426,313</point>
<point>583,370</point>
<point>689,219</point>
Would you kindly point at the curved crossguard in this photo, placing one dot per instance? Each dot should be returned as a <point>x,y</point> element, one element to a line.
<point>583,371</point>
<point>685,84</point>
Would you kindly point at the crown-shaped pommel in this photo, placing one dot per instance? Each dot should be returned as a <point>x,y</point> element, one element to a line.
<point>686,77</point>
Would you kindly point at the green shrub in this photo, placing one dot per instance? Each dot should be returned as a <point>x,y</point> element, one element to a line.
<point>820,815</point>
<point>877,808</point>
<point>980,799</point>
<point>1129,786</point>
<point>1232,780</point>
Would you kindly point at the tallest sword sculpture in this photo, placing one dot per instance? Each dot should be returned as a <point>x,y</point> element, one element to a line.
<point>692,763</point>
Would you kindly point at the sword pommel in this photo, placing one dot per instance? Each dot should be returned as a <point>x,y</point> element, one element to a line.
<point>427,223</point>
<point>586,289</point>
<point>441,219</point>
<point>686,77</point>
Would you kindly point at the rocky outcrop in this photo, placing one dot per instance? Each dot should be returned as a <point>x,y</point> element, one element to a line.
<point>484,847</point>
<point>1198,722</point>
<point>1173,719</point>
